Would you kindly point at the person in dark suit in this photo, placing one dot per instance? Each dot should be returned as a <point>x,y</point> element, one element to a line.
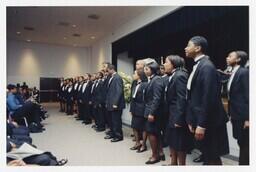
<point>99,102</point>
<point>177,133</point>
<point>70,98</point>
<point>92,100</point>
<point>206,116</point>
<point>238,102</point>
<point>137,108</point>
<point>85,98</point>
<point>115,103</point>
<point>79,98</point>
<point>153,96</point>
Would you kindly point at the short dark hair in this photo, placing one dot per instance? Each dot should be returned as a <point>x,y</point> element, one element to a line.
<point>177,61</point>
<point>200,41</point>
<point>243,57</point>
<point>111,67</point>
<point>154,67</point>
<point>101,74</point>
<point>11,86</point>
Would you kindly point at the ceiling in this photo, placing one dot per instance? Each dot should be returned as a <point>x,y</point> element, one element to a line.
<point>74,20</point>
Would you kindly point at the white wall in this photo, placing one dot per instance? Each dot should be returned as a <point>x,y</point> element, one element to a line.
<point>30,61</point>
<point>101,50</point>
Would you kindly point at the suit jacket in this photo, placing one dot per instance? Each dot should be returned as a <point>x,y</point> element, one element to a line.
<point>239,95</point>
<point>153,96</point>
<point>205,108</point>
<point>99,99</point>
<point>176,98</point>
<point>137,105</point>
<point>70,95</point>
<point>115,94</point>
<point>86,95</point>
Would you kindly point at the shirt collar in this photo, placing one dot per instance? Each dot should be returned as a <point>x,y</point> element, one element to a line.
<point>199,58</point>
<point>235,68</point>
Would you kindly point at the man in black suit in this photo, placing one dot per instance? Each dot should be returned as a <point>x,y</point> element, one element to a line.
<point>238,102</point>
<point>85,98</point>
<point>115,103</point>
<point>206,116</point>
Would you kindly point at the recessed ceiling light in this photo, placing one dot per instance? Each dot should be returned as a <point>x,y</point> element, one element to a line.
<point>76,35</point>
<point>73,25</point>
<point>65,38</point>
<point>63,23</point>
<point>92,37</point>
<point>18,33</point>
<point>74,45</point>
<point>93,16</point>
<point>29,28</point>
<point>28,40</point>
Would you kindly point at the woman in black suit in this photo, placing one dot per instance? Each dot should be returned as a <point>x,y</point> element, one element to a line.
<point>238,104</point>
<point>177,133</point>
<point>137,108</point>
<point>152,97</point>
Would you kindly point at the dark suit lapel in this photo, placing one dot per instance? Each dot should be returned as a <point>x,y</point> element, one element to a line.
<point>235,79</point>
<point>197,70</point>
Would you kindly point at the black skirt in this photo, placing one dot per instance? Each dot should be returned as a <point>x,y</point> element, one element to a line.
<point>138,122</point>
<point>153,127</point>
<point>179,139</point>
<point>215,142</point>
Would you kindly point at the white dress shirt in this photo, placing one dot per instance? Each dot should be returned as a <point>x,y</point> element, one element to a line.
<point>84,86</point>
<point>193,71</point>
<point>232,76</point>
<point>136,89</point>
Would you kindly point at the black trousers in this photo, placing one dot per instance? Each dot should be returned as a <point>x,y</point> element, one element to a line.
<point>116,116</point>
<point>86,112</point>
<point>28,110</point>
<point>80,110</point>
<point>109,121</point>
<point>243,143</point>
<point>70,108</point>
<point>96,114</point>
<point>101,117</point>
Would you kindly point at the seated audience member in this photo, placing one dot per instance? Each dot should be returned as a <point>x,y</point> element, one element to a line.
<point>18,111</point>
<point>28,155</point>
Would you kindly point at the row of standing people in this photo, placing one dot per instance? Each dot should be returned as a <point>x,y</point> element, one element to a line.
<point>99,98</point>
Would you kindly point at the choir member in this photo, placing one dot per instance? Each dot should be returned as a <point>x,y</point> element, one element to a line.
<point>115,103</point>
<point>177,135</point>
<point>205,116</point>
<point>153,96</point>
<point>137,108</point>
<point>69,97</point>
<point>238,102</point>
<point>86,96</point>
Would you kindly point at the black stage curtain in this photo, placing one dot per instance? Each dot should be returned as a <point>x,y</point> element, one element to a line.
<point>225,27</point>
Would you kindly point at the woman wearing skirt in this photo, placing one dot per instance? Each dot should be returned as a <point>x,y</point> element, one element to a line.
<point>137,111</point>
<point>177,133</point>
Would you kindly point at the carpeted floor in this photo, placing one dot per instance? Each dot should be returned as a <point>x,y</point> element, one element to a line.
<point>67,138</point>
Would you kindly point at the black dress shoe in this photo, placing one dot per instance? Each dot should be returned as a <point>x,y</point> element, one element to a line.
<point>135,147</point>
<point>108,137</point>
<point>199,159</point>
<point>162,157</point>
<point>152,162</point>
<point>142,150</point>
<point>100,129</point>
<point>116,139</point>
<point>87,122</point>
<point>78,119</point>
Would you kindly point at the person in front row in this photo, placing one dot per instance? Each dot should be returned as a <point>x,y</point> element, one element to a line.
<point>137,108</point>
<point>238,102</point>
<point>115,103</point>
<point>205,114</point>
<point>153,96</point>
<point>177,134</point>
